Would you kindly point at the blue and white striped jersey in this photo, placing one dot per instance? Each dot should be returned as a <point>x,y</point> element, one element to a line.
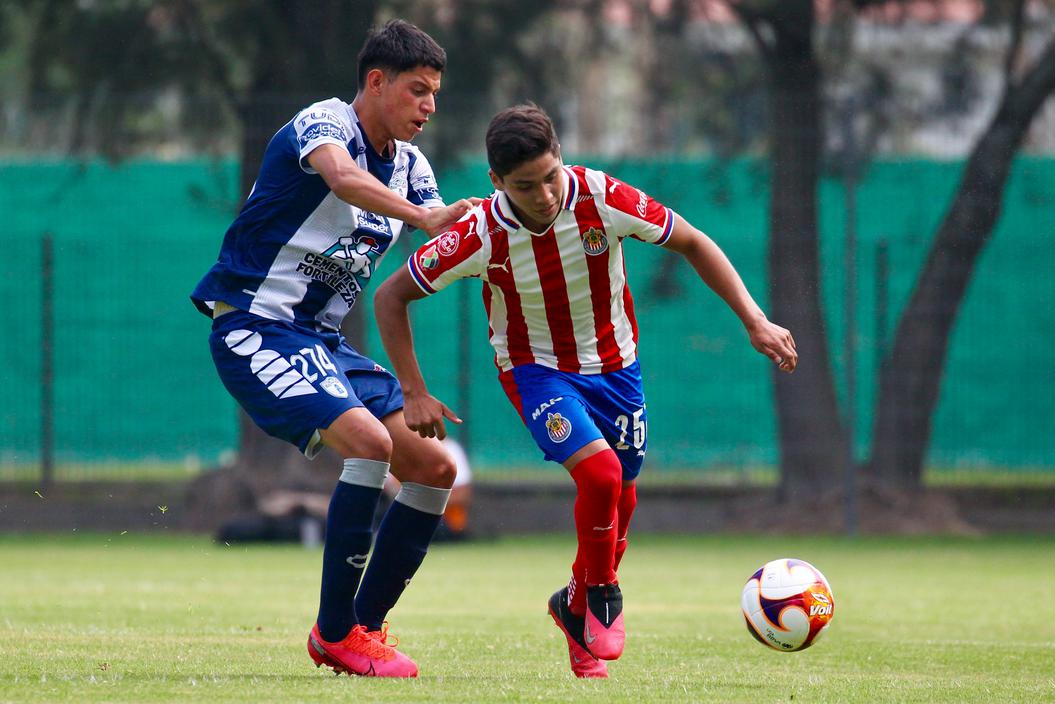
<point>296,251</point>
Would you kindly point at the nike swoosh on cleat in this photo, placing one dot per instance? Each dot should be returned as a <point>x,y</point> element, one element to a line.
<point>589,637</point>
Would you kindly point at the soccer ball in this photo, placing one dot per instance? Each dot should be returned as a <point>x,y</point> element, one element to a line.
<point>787,604</point>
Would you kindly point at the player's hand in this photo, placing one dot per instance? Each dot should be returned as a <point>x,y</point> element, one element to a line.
<point>776,343</point>
<point>439,219</point>
<point>424,415</point>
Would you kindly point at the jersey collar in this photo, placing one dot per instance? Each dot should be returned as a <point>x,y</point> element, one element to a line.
<point>571,188</point>
<point>502,209</point>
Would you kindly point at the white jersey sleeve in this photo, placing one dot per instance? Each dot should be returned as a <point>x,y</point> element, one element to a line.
<point>632,212</point>
<point>458,253</point>
<point>322,123</point>
<point>422,188</point>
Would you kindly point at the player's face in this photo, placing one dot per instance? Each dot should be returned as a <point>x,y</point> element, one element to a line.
<point>407,101</point>
<point>535,188</point>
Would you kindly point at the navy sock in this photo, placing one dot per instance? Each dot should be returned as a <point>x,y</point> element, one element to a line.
<point>349,524</point>
<point>402,541</point>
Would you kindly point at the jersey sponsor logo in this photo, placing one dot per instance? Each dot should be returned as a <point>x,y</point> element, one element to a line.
<point>320,130</point>
<point>333,273</point>
<point>365,220</point>
<point>538,411</point>
<point>642,203</point>
<point>447,243</point>
<point>557,427</point>
<point>333,386</point>
<point>594,242</point>
<point>398,182</point>
<point>356,251</point>
<point>319,115</point>
<point>428,259</point>
<point>425,186</point>
<point>427,194</point>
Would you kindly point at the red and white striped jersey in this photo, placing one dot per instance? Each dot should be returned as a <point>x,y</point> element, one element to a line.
<point>558,298</point>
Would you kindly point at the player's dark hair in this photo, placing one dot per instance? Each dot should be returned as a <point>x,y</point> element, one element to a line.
<point>517,135</point>
<point>399,46</point>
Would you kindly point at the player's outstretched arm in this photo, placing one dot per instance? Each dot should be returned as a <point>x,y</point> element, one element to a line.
<point>423,412</point>
<point>358,187</point>
<point>718,273</point>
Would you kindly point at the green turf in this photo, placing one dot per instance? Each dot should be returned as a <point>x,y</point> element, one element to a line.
<point>126,618</point>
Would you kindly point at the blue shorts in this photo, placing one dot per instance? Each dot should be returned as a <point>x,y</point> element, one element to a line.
<point>566,411</point>
<point>293,381</point>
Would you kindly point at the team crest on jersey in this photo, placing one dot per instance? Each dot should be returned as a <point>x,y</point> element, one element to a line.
<point>428,258</point>
<point>447,243</point>
<point>333,386</point>
<point>557,427</point>
<point>594,242</point>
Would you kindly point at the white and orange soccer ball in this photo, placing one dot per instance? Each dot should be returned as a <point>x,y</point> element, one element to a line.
<point>787,604</point>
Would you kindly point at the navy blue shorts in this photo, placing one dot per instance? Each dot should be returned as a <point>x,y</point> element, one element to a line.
<point>293,381</point>
<point>566,411</point>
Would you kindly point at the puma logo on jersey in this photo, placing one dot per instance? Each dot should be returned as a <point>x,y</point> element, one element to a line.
<point>504,266</point>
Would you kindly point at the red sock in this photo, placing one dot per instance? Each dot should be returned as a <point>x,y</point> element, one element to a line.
<point>627,502</point>
<point>597,481</point>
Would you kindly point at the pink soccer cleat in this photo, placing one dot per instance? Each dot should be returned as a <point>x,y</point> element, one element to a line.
<point>604,632</point>
<point>362,652</point>
<point>583,664</point>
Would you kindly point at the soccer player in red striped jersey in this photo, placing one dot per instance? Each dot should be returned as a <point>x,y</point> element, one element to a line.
<point>548,246</point>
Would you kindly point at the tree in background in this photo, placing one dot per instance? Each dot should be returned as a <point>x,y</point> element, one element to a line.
<point>209,69</point>
<point>219,75</point>
<point>258,62</point>
<point>813,439</point>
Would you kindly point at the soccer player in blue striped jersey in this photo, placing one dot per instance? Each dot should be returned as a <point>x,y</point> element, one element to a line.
<point>337,185</point>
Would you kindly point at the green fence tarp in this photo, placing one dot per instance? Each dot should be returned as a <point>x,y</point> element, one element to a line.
<point>134,383</point>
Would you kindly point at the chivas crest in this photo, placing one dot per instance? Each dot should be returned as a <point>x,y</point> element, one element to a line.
<point>558,427</point>
<point>594,242</point>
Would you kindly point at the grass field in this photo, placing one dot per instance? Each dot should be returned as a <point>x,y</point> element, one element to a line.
<point>125,618</point>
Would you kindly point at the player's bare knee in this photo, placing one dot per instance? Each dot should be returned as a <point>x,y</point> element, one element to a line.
<point>443,472</point>
<point>434,468</point>
<point>376,444</point>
